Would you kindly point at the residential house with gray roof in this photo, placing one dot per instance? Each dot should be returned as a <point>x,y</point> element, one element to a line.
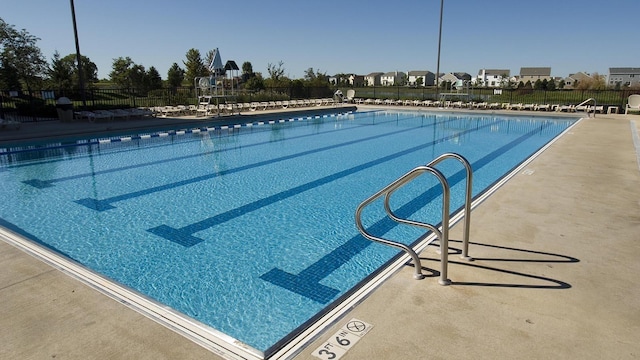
<point>392,78</point>
<point>492,77</point>
<point>428,78</point>
<point>373,79</point>
<point>571,81</point>
<point>624,76</point>
<point>534,74</point>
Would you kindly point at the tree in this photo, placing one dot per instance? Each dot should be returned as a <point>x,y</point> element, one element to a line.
<point>402,81</point>
<point>315,78</point>
<point>247,70</point>
<point>120,72</point>
<point>551,85</point>
<point>138,77</point>
<point>63,72</point>
<point>538,85</point>
<point>89,70</point>
<point>60,73</point>
<point>594,82</point>
<point>175,76</point>
<point>8,76</point>
<point>255,82</point>
<point>275,72</point>
<point>20,55</point>
<point>153,79</point>
<point>194,65</point>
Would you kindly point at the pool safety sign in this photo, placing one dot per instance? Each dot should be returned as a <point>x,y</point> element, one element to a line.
<point>343,340</point>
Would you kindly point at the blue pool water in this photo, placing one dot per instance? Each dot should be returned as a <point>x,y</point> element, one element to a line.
<point>250,230</point>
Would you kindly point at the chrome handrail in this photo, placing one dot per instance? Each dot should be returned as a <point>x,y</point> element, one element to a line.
<point>467,199</point>
<point>442,235</point>
<point>594,106</point>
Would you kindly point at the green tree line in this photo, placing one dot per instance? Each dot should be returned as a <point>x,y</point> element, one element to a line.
<point>22,65</point>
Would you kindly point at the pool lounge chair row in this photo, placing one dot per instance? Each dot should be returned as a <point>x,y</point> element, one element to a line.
<point>208,109</point>
<point>6,124</point>
<point>482,105</point>
<point>114,114</point>
<point>266,105</point>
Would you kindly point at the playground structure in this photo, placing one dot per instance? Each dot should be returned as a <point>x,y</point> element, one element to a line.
<point>211,91</point>
<point>459,90</point>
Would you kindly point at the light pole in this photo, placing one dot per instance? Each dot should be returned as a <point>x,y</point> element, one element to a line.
<point>438,64</point>
<point>80,74</point>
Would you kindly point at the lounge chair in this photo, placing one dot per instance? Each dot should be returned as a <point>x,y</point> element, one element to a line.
<point>566,108</point>
<point>633,104</point>
<point>9,124</point>
<point>350,95</point>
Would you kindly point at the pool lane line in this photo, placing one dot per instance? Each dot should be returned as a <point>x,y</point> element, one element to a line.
<point>307,282</point>
<point>42,184</point>
<point>106,204</point>
<point>185,237</point>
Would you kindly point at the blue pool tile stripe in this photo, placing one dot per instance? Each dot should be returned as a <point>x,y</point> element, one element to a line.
<point>105,204</point>
<point>307,282</point>
<point>189,230</point>
<point>42,184</point>
<point>14,150</point>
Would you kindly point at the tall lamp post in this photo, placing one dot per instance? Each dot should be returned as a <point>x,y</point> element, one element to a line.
<point>80,74</point>
<point>438,64</point>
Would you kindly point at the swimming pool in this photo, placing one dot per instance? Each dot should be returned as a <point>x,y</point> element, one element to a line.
<point>249,230</point>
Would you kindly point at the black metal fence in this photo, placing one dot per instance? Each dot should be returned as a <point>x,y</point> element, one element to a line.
<point>39,105</point>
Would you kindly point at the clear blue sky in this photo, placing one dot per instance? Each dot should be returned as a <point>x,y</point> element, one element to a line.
<point>343,36</point>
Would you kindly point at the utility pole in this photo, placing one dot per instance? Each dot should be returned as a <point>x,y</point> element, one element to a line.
<point>80,73</point>
<point>438,65</point>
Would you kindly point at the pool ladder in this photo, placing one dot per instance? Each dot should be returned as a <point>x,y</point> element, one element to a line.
<point>441,234</point>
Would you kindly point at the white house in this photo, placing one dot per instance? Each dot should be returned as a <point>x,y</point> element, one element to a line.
<point>492,77</point>
<point>373,79</point>
<point>428,78</point>
<point>391,78</point>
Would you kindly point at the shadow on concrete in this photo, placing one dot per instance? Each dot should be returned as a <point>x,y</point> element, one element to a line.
<point>542,282</point>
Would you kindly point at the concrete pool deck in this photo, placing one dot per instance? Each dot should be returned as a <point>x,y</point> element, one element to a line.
<point>555,276</point>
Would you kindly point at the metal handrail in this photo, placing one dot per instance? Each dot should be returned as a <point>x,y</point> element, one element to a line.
<point>442,235</point>
<point>467,198</point>
<point>594,106</point>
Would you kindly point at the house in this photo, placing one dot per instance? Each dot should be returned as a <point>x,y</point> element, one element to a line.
<point>428,78</point>
<point>571,81</point>
<point>533,74</point>
<point>393,78</point>
<point>624,76</point>
<point>373,79</point>
<point>447,78</point>
<point>356,80</point>
<point>462,76</point>
<point>346,79</point>
<point>492,77</point>
<point>454,78</point>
